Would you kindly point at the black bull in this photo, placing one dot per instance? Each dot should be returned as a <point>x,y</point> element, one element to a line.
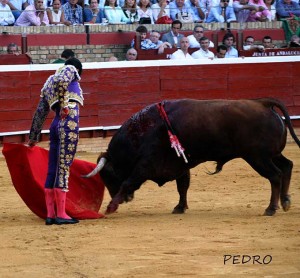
<point>212,130</point>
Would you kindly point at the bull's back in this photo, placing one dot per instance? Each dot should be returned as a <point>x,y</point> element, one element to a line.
<point>215,128</point>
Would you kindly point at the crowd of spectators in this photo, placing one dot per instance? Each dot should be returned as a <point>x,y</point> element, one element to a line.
<point>74,12</point>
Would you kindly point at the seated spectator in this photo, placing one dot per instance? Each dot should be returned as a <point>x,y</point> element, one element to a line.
<point>198,8</point>
<point>34,15</point>
<point>114,13</point>
<point>145,12</point>
<point>17,6</point>
<point>194,39</point>
<point>267,42</point>
<point>179,10</point>
<point>93,14</point>
<point>221,11</point>
<point>6,16</point>
<point>228,41</point>
<point>182,53</point>
<point>131,54</point>
<point>243,10</point>
<point>154,38</point>
<point>141,31</point>
<point>271,7</point>
<point>56,14</point>
<point>130,11</point>
<point>173,37</point>
<point>295,41</point>
<point>65,55</point>
<point>12,48</point>
<point>249,44</point>
<point>73,12</point>
<point>160,9</point>
<point>287,8</point>
<point>221,51</point>
<point>203,52</point>
<point>263,13</point>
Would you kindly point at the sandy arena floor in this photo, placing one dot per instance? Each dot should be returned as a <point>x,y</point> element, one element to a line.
<point>143,239</point>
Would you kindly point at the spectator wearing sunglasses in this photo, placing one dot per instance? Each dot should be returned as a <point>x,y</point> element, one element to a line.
<point>33,15</point>
<point>221,11</point>
<point>194,39</point>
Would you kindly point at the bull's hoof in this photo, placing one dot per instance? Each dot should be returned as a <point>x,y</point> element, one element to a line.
<point>286,202</point>
<point>111,208</point>
<point>178,210</point>
<point>269,212</point>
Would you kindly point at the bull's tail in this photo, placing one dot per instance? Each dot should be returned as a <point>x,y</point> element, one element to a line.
<point>271,102</point>
<point>100,164</point>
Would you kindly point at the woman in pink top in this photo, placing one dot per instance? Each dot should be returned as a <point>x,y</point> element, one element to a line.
<point>263,14</point>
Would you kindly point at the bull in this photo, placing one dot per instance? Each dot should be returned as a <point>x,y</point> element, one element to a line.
<point>207,130</point>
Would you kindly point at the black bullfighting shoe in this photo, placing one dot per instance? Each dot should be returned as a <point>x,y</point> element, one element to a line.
<point>50,221</point>
<point>61,221</point>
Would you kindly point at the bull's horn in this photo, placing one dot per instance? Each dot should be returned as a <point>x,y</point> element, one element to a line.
<point>97,169</point>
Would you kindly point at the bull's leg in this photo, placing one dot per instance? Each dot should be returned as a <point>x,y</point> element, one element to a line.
<point>286,167</point>
<point>183,184</point>
<point>267,169</point>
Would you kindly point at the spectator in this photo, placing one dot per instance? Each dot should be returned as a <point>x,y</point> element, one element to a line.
<point>271,7</point>
<point>182,53</point>
<point>114,13</point>
<point>73,12</point>
<point>194,39</point>
<point>65,55</point>
<point>249,44</point>
<point>56,14</point>
<point>34,15</point>
<point>93,14</point>
<point>203,52</point>
<point>198,8</point>
<point>131,54</point>
<point>267,42</point>
<point>295,41</point>
<point>17,6</point>
<point>173,37</point>
<point>228,41</point>
<point>287,8</point>
<point>221,51</point>
<point>243,10</point>
<point>179,10</point>
<point>130,11</point>
<point>221,11</point>
<point>145,12</point>
<point>263,14</point>
<point>154,38</point>
<point>12,48</point>
<point>6,16</point>
<point>160,9</point>
<point>142,33</point>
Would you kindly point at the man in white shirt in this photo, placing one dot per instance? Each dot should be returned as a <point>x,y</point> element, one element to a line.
<point>203,52</point>
<point>182,53</point>
<point>6,16</point>
<point>194,39</point>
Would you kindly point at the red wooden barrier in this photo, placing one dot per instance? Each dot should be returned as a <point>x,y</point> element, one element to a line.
<point>114,91</point>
